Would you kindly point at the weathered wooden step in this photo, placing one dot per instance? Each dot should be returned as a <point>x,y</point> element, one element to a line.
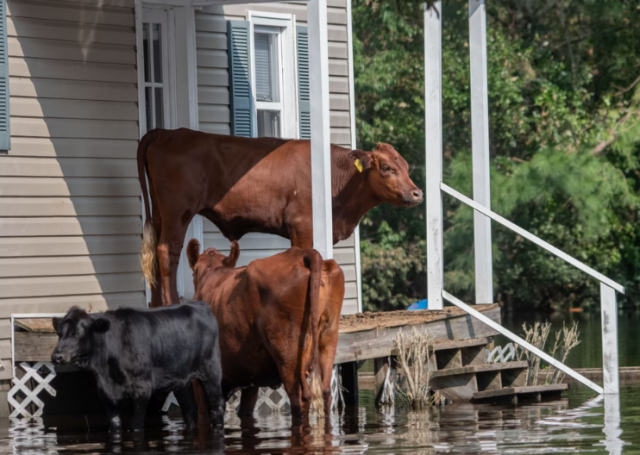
<point>513,394</point>
<point>458,344</point>
<point>474,369</point>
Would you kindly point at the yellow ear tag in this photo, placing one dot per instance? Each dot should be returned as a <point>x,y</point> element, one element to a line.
<point>358,165</point>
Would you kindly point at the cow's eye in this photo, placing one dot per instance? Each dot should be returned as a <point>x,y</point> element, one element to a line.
<point>386,168</point>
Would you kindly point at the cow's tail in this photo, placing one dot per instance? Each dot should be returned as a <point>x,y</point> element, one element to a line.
<point>148,250</point>
<point>315,383</point>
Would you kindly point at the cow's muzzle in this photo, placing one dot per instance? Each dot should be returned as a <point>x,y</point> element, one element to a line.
<point>58,359</point>
<point>413,198</point>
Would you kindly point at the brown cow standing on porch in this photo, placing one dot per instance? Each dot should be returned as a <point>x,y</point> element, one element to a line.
<point>252,185</point>
<point>278,319</point>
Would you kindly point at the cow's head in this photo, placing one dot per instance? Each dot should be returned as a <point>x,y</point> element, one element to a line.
<point>76,336</point>
<point>387,174</point>
<point>210,260</point>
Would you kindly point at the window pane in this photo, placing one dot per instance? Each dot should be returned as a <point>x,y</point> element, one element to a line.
<point>268,124</point>
<point>148,102</point>
<point>157,54</point>
<point>147,55</point>
<point>159,108</point>
<point>266,65</point>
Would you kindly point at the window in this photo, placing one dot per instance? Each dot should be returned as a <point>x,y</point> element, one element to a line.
<point>267,66</point>
<point>273,78</point>
<point>268,76</point>
<point>156,77</point>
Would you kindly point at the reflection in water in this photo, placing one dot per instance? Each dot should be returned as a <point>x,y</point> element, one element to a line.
<point>576,424</point>
<point>612,429</point>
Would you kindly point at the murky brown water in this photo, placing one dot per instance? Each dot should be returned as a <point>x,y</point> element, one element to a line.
<point>579,423</point>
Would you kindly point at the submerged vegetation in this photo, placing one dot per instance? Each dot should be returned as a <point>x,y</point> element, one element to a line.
<point>564,103</point>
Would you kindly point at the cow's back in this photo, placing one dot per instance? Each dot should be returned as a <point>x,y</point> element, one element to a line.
<point>185,157</point>
<point>165,344</point>
<point>241,184</point>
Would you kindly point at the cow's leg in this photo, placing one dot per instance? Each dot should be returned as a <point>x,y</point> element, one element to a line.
<point>169,249</point>
<point>140,403</point>
<point>326,370</point>
<point>113,414</point>
<point>248,400</point>
<point>215,400</point>
<point>187,401</point>
<point>294,391</point>
<point>156,291</point>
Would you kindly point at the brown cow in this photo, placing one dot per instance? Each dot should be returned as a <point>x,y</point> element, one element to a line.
<point>252,185</point>
<point>279,319</point>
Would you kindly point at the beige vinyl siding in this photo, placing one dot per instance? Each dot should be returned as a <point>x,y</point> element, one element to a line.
<point>70,212</point>
<point>214,112</point>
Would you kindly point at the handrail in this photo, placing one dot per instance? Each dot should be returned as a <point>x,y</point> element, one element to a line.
<point>527,235</point>
<point>524,344</point>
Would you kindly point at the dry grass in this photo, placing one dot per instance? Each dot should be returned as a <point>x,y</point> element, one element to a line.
<point>569,341</point>
<point>565,340</point>
<point>537,336</point>
<point>412,387</point>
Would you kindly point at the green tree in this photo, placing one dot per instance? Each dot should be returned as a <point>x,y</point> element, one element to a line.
<point>564,134</point>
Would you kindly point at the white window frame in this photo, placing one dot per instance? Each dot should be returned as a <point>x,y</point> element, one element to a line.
<point>165,17</point>
<point>283,25</point>
<point>180,96</point>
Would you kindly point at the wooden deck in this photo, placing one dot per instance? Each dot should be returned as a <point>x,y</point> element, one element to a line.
<point>373,338</point>
<point>362,336</point>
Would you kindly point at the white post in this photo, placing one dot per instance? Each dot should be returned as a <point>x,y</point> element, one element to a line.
<point>433,152</point>
<point>480,146</point>
<point>609,309</point>
<point>320,128</point>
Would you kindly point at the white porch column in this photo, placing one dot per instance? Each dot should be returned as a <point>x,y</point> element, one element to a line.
<point>187,116</point>
<point>320,129</point>
<point>433,152</point>
<point>480,146</point>
<point>609,310</point>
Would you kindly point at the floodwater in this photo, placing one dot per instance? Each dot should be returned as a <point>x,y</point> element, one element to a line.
<point>579,423</point>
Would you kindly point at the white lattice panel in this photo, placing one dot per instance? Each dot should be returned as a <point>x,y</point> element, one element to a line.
<point>337,399</point>
<point>277,400</point>
<point>272,400</point>
<point>42,373</point>
<point>388,397</point>
<point>501,354</point>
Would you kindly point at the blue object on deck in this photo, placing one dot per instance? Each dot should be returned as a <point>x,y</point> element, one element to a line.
<point>421,305</point>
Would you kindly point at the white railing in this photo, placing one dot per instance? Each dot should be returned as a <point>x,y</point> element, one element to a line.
<point>482,197</point>
<point>529,236</point>
<point>607,303</point>
<point>521,342</point>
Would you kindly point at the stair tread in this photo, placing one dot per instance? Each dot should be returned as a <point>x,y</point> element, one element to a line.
<point>457,344</point>
<point>484,368</point>
<point>520,390</point>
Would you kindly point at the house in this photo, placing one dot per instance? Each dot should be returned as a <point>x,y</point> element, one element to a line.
<point>87,78</point>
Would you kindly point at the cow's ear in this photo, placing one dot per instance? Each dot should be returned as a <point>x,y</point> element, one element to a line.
<point>56,322</point>
<point>193,252</point>
<point>100,325</point>
<point>362,160</point>
<point>230,261</point>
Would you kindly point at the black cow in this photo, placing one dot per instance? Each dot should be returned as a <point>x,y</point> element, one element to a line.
<point>133,353</point>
